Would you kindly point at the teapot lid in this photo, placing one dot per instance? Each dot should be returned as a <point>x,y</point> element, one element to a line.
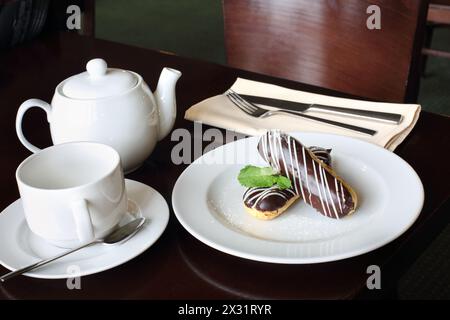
<point>98,81</point>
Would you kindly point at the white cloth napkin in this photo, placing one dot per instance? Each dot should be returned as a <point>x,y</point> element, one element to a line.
<point>220,112</point>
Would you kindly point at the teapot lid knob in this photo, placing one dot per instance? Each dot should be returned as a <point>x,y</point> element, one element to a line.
<point>96,67</point>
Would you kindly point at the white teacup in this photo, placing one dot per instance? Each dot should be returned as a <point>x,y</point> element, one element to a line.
<point>72,192</point>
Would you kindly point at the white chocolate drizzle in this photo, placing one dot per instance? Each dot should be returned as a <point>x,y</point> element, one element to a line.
<point>332,202</point>
<point>337,195</point>
<point>318,187</point>
<point>306,173</point>
<point>258,194</point>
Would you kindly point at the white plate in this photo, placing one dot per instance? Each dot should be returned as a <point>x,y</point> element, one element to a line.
<point>207,200</point>
<point>20,247</point>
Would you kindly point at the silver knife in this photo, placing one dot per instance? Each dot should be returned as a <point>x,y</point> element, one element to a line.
<point>302,107</point>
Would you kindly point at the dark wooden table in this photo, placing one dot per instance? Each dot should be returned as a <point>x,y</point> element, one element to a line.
<point>178,266</point>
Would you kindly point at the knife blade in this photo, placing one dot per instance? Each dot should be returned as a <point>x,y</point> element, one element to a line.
<point>303,107</point>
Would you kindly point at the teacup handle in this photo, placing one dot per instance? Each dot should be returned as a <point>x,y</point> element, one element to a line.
<point>83,223</point>
<point>22,109</point>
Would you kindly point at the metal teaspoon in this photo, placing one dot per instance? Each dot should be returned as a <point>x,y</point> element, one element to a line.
<point>118,236</point>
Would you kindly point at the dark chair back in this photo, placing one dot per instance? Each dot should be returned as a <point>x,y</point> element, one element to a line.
<point>327,43</point>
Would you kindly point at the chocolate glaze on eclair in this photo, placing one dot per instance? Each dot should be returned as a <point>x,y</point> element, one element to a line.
<point>312,178</point>
<point>267,199</point>
<point>322,154</point>
<point>267,203</point>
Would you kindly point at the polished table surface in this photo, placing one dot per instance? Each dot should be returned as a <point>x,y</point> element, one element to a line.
<point>178,266</point>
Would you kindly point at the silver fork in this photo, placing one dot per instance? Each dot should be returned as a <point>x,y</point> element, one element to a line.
<point>258,112</point>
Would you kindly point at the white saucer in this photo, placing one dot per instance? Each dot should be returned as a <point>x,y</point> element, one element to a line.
<point>20,247</point>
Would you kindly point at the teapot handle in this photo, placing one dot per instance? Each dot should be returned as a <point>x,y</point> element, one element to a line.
<point>22,109</point>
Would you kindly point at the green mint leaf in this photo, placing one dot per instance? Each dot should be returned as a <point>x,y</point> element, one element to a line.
<point>251,171</point>
<point>283,182</point>
<point>251,176</point>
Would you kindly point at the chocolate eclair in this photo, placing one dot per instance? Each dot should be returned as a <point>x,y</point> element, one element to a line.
<point>312,178</point>
<point>322,154</point>
<point>269,203</point>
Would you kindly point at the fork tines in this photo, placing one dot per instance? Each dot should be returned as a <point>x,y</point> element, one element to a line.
<point>242,104</point>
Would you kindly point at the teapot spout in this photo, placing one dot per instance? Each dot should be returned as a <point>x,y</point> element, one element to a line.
<point>165,100</point>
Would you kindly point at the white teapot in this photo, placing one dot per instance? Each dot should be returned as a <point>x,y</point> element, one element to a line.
<point>110,106</point>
